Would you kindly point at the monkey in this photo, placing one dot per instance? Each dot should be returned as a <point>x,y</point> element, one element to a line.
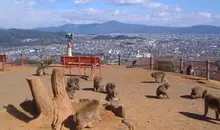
<point>82,102</point>
<point>114,95</point>
<point>73,82</point>
<point>88,116</point>
<point>72,86</point>
<point>190,70</point>
<point>162,90</point>
<point>129,123</point>
<point>111,91</point>
<point>41,69</point>
<point>161,75</point>
<point>134,63</point>
<point>110,88</point>
<point>211,102</point>
<point>196,92</point>
<point>98,84</point>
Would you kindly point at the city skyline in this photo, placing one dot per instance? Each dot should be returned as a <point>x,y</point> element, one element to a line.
<point>28,14</point>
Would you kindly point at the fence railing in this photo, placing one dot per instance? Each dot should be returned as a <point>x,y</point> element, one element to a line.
<point>204,67</point>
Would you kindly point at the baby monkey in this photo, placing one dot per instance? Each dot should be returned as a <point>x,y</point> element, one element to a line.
<point>196,92</point>
<point>162,90</point>
<point>98,84</point>
<point>72,86</point>
<point>41,69</point>
<point>159,75</point>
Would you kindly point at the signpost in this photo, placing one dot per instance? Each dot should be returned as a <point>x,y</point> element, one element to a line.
<point>69,36</point>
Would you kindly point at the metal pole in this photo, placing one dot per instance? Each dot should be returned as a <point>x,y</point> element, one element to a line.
<point>119,59</point>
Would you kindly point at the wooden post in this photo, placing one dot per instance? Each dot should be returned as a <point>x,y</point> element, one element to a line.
<point>3,58</point>
<point>181,65</point>
<point>3,64</point>
<point>22,61</point>
<point>151,63</point>
<point>93,69</point>
<point>119,59</point>
<point>208,69</point>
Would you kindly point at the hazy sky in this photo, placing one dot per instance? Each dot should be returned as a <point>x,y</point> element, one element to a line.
<point>35,13</point>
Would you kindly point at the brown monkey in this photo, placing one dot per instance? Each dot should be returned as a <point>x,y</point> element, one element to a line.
<point>73,82</point>
<point>72,86</point>
<point>112,96</point>
<point>158,75</point>
<point>134,63</point>
<point>110,88</point>
<point>98,84</point>
<point>211,102</point>
<point>41,69</point>
<point>162,90</point>
<point>196,92</point>
<point>129,123</point>
<point>87,116</point>
<point>81,104</point>
<point>190,70</point>
<point>111,91</point>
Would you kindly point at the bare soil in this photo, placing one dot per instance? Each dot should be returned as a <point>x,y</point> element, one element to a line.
<point>137,93</point>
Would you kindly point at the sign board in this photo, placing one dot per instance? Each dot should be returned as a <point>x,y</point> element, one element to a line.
<point>167,66</point>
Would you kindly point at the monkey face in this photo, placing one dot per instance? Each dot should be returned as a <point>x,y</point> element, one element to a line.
<point>167,85</point>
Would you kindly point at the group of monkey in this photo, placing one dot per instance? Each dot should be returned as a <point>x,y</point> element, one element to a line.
<point>210,101</point>
<point>87,114</point>
<point>87,111</point>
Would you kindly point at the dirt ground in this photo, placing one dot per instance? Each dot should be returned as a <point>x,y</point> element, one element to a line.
<point>137,93</point>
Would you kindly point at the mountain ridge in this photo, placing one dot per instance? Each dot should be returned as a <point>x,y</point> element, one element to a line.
<point>119,27</point>
<point>9,35</point>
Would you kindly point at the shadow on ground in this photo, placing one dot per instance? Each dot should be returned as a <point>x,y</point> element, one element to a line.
<point>69,123</point>
<point>12,110</point>
<point>88,89</point>
<point>30,107</point>
<point>147,82</point>
<point>186,96</point>
<point>151,96</point>
<point>198,117</point>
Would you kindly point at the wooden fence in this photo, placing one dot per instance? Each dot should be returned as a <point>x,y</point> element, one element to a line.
<point>204,67</point>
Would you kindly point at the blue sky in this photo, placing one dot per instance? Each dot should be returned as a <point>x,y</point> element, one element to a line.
<point>34,13</point>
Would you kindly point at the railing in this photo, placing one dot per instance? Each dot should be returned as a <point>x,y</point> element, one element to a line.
<point>203,67</point>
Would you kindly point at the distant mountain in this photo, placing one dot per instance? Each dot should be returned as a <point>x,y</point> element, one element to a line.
<point>119,37</point>
<point>19,34</point>
<point>118,27</point>
<point>2,28</point>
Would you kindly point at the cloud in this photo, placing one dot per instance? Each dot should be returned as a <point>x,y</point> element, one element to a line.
<point>163,14</point>
<point>153,5</point>
<point>25,2</point>
<point>51,1</point>
<point>205,14</point>
<point>22,14</point>
<point>113,2</point>
<point>126,2</point>
<point>178,9</point>
<point>81,2</point>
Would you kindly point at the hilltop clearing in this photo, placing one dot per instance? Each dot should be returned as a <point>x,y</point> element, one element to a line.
<point>137,94</point>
